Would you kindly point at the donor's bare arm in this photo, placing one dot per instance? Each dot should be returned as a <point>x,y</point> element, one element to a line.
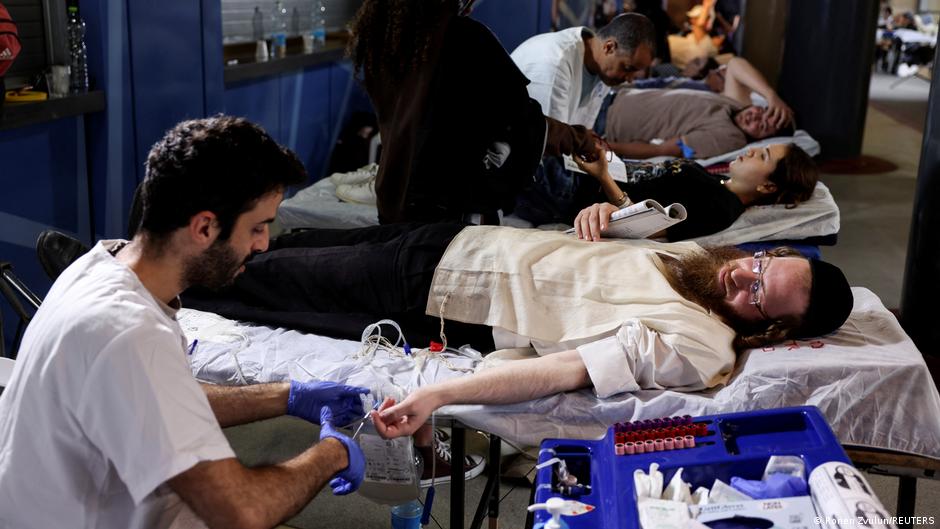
<point>511,382</point>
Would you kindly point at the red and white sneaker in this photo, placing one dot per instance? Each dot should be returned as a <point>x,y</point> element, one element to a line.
<point>473,464</point>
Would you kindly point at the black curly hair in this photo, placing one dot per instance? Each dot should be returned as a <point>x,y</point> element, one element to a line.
<point>390,38</point>
<point>221,164</point>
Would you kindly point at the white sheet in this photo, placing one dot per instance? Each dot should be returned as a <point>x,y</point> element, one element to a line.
<point>800,137</point>
<point>818,216</point>
<point>909,36</point>
<point>868,379</point>
<point>316,206</point>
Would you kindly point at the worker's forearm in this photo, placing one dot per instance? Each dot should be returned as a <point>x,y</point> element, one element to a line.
<point>514,381</point>
<point>226,494</point>
<point>287,487</point>
<point>234,405</point>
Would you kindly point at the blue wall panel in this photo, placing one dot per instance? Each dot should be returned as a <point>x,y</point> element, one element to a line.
<point>112,158</point>
<point>294,108</point>
<point>166,67</point>
<point>257,100</point>
<point>39,174</point>
<point>45,186</point>
<point>212,58</point>
<point>342,91</point>
<point>545,16</point>
<point>305,117</point>
<point>512,21</point>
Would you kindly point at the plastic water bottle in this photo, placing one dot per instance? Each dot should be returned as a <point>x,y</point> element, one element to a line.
<point>257,25</point>
<point>318,24</point>
<point>279,31</point>
<point>257,33</point>
<point>78,54</point>
<point>407,515</point>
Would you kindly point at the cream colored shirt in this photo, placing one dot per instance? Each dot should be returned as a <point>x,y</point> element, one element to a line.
<point>610,301</point>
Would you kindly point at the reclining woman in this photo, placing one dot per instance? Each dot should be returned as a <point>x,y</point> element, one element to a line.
<point>775,174</point>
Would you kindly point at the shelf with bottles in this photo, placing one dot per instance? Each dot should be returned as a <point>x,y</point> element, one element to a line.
<point>241,63</point>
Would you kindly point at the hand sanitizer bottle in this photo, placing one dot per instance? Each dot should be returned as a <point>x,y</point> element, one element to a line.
<point>554,506</point>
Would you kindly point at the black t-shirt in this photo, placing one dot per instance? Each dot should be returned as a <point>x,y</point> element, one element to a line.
<point>711,207</point>
<point>439,121</point>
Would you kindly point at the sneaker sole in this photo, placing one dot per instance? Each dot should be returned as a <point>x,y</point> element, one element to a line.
<point>341,180</point>
<point>352,200</point>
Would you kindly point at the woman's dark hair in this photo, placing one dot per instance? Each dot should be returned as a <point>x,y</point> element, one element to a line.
<point>390,38</point>
<point>220,164</point>
<point>795,177</point>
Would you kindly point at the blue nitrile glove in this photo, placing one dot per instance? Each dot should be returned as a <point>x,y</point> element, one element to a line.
<point>306,399</point>
<point>348,479</point>
<point>775,486</point>
<point>687,152</point>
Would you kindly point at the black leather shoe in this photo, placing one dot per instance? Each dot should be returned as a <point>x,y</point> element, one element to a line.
<point>56,251</point>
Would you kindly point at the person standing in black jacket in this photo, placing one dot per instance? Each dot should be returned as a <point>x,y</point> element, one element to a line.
<point>460,135</point>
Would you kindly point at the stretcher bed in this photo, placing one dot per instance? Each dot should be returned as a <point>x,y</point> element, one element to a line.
<point>816,221</point>
<point>868,379</point>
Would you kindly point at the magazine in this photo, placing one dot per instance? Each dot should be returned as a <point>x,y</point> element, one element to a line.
<point>640,220</point>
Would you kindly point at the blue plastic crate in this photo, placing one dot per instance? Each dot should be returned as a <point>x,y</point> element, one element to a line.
<point>737,444</point>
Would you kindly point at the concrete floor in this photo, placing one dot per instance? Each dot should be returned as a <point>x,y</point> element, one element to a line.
<point>876,214</point>
<point>876,220</point>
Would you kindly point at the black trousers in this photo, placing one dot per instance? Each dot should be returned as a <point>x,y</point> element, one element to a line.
<point>336,282</point>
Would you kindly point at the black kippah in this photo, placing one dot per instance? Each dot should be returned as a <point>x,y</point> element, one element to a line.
<point>830,300</point>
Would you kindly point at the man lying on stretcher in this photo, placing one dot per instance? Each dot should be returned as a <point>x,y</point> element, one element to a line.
<point>618,316</point>
<point>680,318</point>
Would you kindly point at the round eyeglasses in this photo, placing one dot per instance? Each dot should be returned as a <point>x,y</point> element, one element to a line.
<point>761,260</point>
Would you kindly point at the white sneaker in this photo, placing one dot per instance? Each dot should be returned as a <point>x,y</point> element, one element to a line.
<point>907,70</point>
<point>363,193</point>
<point>363,174</point>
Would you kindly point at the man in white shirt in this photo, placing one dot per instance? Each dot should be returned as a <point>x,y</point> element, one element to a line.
<point>569,69</point>
<point>103,424</point>
<point>569,73</point>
